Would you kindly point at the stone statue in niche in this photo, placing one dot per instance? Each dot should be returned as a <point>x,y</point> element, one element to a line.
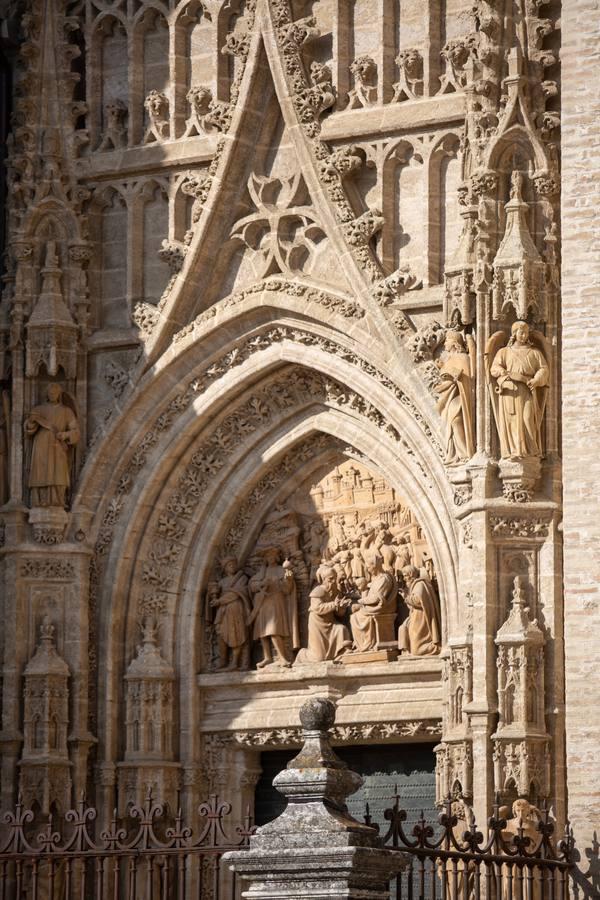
<point>274,616</point>
<point>328,637</point>
<point>456,396</point>
<point>4,446</point>
<point>519,377</point>
<point>373,615</point>
<point>421,633</point>
<point>231,599</point>
<point>55,430</point>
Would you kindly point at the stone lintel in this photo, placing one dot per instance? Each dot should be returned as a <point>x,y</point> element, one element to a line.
<point>149,158</point>
<point>391,117</point>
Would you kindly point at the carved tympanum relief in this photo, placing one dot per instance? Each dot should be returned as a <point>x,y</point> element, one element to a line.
<point>332,571</point>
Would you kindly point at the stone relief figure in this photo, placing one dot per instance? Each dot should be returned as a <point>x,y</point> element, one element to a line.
<point>328,637</point>
<point>4,446</point>
<point>274,617</point>
<point>403,556</point>
<point>230,597</point>
<point>456,887</point>
<point>421,633</point>
<point>455,402</point>
<point>519,377</point>
<point>54,429</point>
<point>358,569</point>
<point>526,818</point>
<point>375,608</point>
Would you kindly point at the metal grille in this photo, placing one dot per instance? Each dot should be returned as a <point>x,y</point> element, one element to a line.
<point>149,855</point>
<point>450,863</point>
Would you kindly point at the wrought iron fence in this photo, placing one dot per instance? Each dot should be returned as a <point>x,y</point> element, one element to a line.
<point>518,860</point>
<point>148,855</point>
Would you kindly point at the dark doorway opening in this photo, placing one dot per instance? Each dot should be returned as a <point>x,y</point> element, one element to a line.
<point>408,767</point>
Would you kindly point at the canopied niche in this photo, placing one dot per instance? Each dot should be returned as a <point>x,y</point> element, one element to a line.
<point>331,569</point>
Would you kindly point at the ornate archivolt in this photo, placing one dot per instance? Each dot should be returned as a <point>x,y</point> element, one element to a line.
<point>167,534</point>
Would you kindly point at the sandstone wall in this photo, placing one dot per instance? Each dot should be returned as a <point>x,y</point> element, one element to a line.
<point>580,399</point>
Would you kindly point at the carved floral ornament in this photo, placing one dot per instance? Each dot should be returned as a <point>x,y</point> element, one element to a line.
<point>296,387</point>
<point>199,384</point>
<point>341,734</point>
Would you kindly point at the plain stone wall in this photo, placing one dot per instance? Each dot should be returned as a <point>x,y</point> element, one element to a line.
<point>581,405</point>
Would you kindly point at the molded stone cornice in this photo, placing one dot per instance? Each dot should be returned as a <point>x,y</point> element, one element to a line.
<point>135,160</point>
<point>393,117</point>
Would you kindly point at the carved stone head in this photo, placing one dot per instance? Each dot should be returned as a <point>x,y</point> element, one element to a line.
<point>54,392</point>
<point>519,333</point>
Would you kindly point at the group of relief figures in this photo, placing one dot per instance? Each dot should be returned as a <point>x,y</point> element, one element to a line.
<point>353,607</point>
<point>518,377</point>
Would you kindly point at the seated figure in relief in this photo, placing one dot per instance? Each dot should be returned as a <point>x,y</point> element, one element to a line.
<point>231,600</point>
<point>421,633</point>
<point>274,617</point>
<point>377,604</point>
<point>328,637</point>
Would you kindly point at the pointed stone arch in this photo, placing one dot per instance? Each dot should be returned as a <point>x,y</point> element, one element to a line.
<point>380,419</point>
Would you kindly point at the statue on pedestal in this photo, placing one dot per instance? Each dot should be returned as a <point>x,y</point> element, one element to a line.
<point>274,617</point>
<point>231,599</point>
<point>54,429</point>
<point>455,403</point>
<point>519,377</point>
<point>4,446</point>
<point>421,633</point>
<point>328,638</point>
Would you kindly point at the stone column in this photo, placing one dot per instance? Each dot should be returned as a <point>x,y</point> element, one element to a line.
<point>315,848</point>
<point>580,319</point>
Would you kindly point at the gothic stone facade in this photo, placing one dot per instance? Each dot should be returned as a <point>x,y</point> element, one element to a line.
<point>283,317</point>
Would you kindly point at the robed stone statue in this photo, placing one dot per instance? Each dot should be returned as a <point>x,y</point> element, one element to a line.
<point>519,377</point>
<point>455,398</point>
<point>379,601</point>
<point>231,599</point>
<point>274,617</point>
<point>421,633</point>
<point>328,637</point>
<point>54,429</point>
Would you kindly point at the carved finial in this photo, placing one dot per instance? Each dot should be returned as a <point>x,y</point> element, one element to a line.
<point>516,186</point>
<point>317,714</point>
<point>47,630</point>
<point>519,598</point>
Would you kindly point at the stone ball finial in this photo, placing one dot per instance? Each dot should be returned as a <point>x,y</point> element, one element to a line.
<point>317,714</point>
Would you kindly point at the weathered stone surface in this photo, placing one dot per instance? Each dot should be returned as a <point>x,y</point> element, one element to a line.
<point>271,256</point>
<point>315,848</point>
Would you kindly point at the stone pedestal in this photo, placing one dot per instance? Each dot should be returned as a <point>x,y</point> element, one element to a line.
<point>49,524</point>
<point>315,848</point>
